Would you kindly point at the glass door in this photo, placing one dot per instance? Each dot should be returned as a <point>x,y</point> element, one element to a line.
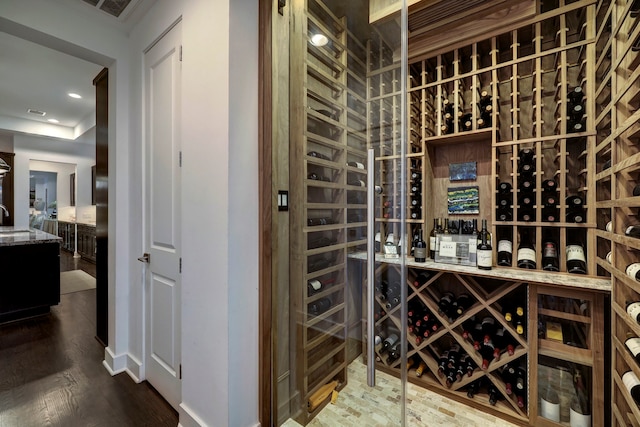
<point>340,147</point>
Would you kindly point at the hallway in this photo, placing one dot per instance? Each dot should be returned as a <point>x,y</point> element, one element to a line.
<point>51,372</point>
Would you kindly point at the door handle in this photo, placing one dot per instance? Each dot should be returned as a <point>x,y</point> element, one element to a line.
<point>371,260</point>
<point>145,258</point>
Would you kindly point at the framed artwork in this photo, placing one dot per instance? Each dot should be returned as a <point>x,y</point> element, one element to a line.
<point>463,200</point>
<point>462,171</point>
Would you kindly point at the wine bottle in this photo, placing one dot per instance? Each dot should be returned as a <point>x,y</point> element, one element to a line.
<point>508,374</point>
<point>549,185</point>
<point>484,254</point>
<point>445,305</point>
<point>466,122</point>
<point>633,231</point>
<point>421,367</point>
<point>319,221</point>
<point>636,190</point>
<point>422,278</point>
<point>632,384</point>
<point>527,214</point>
<point>580,410</point>
<point>488,324</point>
<point>487,352</point>
<point>576,260</point>
<point>504,214</point>
<point>389,342</point>
<point>526,251</point>
<point>485,103</point>
<point>420,251</point>
<point>633,310</point>
<point>355,164</point>
<point>551,214</point>
<point>314,285</point>
<point>432,238</point>
<point>550,256</point>
<point>526,201</point>
<point>521,386</point>
<point>549,401</point>
<point>494,394</point>
<point>318,155</point>
<point>474,387</point>
<point>485,120</point>
<point>463,302</point>
<point>575,95</point>
<point>319,306</point>
<point>633,271</point>
<point>526,156</point>
<point>315,177</point>
<point>505,248</point>
<point>633,345</point>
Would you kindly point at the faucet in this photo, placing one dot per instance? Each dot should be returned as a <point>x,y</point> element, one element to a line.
<point>4,208</point>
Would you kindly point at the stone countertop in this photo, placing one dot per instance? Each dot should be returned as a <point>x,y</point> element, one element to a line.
<point>13,236</point>
<point>601,284</point>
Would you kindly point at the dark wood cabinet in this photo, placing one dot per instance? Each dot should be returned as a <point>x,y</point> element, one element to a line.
<point>6,190</point>
<point>26,290</point>
<point>67,231</point>
<point>87,242</point>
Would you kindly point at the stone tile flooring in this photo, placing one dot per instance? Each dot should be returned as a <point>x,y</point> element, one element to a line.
<point>358,405</point>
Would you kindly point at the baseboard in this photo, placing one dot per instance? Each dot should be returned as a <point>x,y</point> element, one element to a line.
<point>135,369</point>
<point>114,364</point>
<point>188,419</point>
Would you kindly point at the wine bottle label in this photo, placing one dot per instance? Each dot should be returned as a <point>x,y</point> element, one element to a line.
<point>549,410</point>
<point>633,344</point>
<point>473,245</point>
<point>315,284</point>
<point>485,258</point>
<point>505,246</point>
<point>420,253</point>
<point>633,310</point>
<point>575,253</point>
<point>527,254</point>
<point>550,251</point>
<point>633,269</point>
<point>629,230</point>
<point>630,380</point>
<point>432,243</point>
<point>358,165</point>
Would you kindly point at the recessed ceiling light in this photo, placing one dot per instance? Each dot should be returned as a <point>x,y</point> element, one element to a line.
<point>74,95</point>
<point>319,40</point>
<point>53,121</point>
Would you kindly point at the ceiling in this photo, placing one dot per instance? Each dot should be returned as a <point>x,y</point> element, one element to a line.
<point>39,78</point>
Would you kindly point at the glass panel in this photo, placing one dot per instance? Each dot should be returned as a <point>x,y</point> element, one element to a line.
<point>347,94</point>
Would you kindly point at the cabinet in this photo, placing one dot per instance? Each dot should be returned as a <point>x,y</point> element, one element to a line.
<point>557,337</point>
<point>67,231</point>
<point>87,242</point>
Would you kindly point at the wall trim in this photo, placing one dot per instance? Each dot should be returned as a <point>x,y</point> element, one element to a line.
<point>189,419</point>
<point>114,364</point>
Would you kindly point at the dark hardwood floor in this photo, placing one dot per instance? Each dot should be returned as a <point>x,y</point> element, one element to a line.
<point>68,263</point>
<point>51,373</point>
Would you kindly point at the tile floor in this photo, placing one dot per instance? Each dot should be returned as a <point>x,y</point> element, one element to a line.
<point>361,406</point>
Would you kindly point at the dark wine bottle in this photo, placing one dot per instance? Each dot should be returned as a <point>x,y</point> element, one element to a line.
<point>485,102</point>
<point>355,164</point>
<point>463,302</point>
<point>314,176</point>
<point>504,214</point>
<point>474,387</point>
<point>319,306</point>
<point>508,374</point>
<point>389,342</point>
<point>505,248</point>
<point>485,120</point>
<point>526,251</point>
<point>319,221</point>
<point>521,386</point>
<point>633,231</point>
<point>494,394</point>
<point>550,214</point>
<point>445,305</point>
<point>432,237</point>
<point>318,155</point>
<point>549,185</point>
<point>420,250</point>
<point>575,95</point>
<point>466,122</point>
<point>550,256</point>
<point>484,255</point>
<point>504,187</point>
<point>314,285</point>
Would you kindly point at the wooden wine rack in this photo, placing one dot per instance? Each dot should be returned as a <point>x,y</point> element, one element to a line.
<point>327,121</point>
<point>617,90</point>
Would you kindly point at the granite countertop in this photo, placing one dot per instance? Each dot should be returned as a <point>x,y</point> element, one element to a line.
<point>14,236</point>
<point>515,274</point>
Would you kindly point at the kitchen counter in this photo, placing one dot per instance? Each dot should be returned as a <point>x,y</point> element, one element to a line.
<point>12,236</point>
<point>30,262</point>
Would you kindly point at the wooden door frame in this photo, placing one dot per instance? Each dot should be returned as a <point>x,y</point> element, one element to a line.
<point>266,409</point>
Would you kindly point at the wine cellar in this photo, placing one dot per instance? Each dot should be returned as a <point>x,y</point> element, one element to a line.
<point>526,117</point>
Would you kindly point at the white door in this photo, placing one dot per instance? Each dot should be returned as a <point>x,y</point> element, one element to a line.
<point>162,215</point>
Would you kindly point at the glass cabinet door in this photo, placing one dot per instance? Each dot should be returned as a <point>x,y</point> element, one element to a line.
<point>570,352</point>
